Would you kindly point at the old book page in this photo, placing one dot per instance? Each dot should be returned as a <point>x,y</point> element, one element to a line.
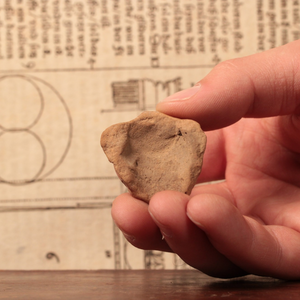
<point>71,68</point>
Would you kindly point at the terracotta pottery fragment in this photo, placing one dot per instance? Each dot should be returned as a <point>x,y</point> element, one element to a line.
<point>155,152</point>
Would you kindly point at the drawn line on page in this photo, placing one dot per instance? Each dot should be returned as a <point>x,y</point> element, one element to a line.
<point>85,206</point>
<point>107,69</point>
<point>57,199</point>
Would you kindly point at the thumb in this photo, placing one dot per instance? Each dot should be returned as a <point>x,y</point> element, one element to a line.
<point>261,85</point>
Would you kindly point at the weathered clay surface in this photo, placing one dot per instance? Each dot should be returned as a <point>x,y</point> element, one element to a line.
<point>155,152</point>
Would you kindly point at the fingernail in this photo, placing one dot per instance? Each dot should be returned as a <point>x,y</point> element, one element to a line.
<point>129,238</point>
<point>184,94</point>
<point>196,223</point>
<point>165,231</point>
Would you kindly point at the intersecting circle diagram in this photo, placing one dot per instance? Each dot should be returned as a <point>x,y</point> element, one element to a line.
<point>35,129</point>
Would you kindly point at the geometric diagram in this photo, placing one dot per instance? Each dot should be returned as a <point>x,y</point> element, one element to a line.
<point>142,94</point>
<point>35,129</point>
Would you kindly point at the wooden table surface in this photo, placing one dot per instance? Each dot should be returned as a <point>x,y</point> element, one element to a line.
<point>132,285</point>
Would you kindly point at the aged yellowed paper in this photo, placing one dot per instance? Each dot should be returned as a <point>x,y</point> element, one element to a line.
<point>68,70</point>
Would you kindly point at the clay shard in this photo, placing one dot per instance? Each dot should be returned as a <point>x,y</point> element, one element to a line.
<point>155,152</point>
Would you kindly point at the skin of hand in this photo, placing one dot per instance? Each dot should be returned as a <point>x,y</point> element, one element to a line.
<point>249,223</point>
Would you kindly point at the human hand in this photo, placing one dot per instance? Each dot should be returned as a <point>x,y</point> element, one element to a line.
<point>250,222</point>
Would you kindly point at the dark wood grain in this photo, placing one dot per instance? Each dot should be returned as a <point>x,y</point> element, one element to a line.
<point>147,284</point>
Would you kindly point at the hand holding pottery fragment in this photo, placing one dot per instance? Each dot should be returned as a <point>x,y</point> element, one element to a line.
<point>248,222</point>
